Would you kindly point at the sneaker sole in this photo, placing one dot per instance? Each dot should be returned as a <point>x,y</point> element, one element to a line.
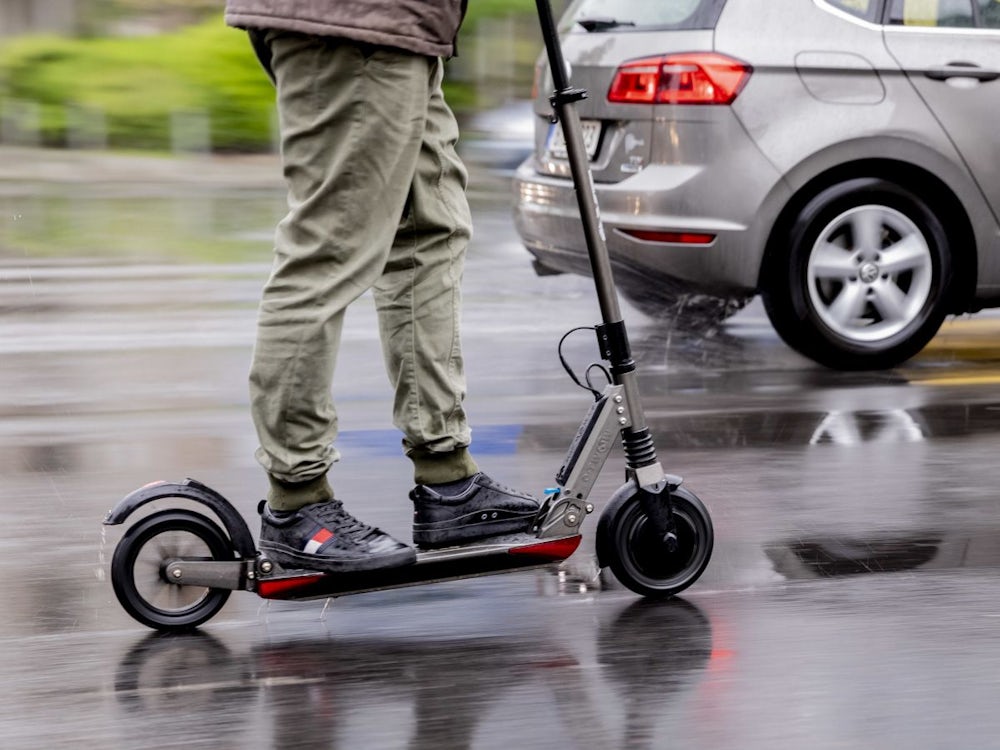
<point>288,557</point>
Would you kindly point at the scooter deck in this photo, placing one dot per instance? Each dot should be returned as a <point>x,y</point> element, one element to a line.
<point>451,563</point>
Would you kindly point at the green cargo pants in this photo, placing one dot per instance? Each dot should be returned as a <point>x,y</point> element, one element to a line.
<point>377,201</point>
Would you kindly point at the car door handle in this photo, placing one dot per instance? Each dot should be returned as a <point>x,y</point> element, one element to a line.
<point>961,70</point>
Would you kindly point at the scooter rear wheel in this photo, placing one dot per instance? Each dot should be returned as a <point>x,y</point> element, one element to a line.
<point>138,569</point>
<point>641,558</point>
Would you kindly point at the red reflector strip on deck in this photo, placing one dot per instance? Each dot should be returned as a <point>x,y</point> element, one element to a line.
<point>557,549</point>
<point>279,586</point>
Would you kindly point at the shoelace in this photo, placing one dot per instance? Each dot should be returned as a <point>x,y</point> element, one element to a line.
<point>334,513</point>
<point>493,484</point>
<point>484,481</point>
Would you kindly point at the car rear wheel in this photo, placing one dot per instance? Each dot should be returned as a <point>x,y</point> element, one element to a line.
<point>861,280</point>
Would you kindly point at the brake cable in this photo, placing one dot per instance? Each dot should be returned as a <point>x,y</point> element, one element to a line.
<point>586,383</point>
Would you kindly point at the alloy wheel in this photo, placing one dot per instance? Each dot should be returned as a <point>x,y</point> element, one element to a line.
<point>869,273</point>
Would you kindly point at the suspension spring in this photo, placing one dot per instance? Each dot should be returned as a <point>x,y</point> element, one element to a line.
<point>639,448</point>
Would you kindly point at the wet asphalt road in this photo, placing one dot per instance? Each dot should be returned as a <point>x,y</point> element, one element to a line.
<point>851,601</point>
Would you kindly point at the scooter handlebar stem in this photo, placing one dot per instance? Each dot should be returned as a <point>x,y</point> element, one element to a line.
<point>547,22</point>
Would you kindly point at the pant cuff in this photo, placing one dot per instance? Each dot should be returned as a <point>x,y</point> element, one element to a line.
<point>439,468</point>
<point>292,496</point>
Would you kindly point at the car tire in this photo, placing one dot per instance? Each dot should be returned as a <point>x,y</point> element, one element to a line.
<point>861,278</point>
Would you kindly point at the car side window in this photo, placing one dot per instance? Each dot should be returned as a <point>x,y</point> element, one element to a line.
<point>866,9</point>
<point>949,13</point>
<point>989,13</point>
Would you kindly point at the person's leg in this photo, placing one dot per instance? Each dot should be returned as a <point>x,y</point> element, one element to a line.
<point>352,119</point>
<point>419,305</point>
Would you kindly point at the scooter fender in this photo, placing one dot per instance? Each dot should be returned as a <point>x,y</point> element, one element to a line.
<point>189,489</point>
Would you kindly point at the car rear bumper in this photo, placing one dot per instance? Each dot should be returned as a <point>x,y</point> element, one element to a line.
<point>663,198</point>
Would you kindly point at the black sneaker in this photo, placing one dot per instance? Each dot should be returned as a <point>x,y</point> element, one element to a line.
<point>483,509</point>
<point>326,538</point>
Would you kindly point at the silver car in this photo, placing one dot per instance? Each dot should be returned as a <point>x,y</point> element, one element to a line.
<point>839,157</point>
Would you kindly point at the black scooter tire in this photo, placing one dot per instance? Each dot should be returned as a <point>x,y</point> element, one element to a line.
<point>640,559</point>
<point>136,599</point>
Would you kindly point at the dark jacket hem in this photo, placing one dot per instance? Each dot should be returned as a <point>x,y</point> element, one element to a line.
<point>318,28</point>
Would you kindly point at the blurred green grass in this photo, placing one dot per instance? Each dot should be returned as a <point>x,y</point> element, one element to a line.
<point>135,88</point>
<point>138,84</point>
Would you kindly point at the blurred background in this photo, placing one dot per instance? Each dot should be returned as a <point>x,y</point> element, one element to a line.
<point>170,76</point>
<point>138,101</point>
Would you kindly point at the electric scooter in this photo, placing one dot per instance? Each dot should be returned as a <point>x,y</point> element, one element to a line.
<point>175,569</point>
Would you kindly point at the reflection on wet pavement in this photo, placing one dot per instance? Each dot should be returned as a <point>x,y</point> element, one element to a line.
<point>804,558</point>
<point>430,692</point>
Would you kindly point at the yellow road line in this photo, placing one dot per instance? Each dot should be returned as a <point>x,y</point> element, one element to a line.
<point>986,378</point>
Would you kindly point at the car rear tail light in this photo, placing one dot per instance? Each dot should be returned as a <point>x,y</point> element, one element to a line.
<point>688,78</point>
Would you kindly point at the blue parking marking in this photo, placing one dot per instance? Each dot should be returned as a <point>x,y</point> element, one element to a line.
<point>488,440</point>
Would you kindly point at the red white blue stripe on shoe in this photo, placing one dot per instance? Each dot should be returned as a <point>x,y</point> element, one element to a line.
<point>314,543</point>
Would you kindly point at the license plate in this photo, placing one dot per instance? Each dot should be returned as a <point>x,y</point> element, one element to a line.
<point>555,144</point>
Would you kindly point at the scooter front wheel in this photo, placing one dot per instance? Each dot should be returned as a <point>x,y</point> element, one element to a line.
<point>644,560</point>
<point>138,569</point>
